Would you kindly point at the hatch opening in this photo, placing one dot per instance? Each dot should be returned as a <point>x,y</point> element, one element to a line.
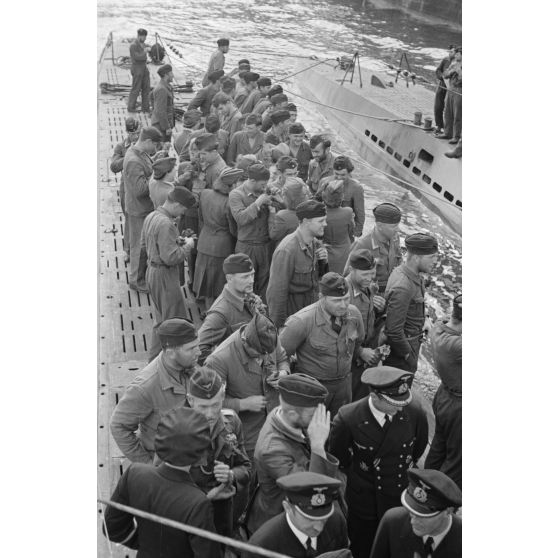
<point>425,156</point>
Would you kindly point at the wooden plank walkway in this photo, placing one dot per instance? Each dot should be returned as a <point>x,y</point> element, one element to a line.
<point>125,316</point>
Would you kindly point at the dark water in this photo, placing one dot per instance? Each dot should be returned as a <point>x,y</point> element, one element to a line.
<point>273,35</point>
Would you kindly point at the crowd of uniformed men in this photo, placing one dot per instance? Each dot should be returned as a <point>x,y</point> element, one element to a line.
<point>289,417</point>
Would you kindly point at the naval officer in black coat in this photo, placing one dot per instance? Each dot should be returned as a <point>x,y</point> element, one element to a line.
<point>426,526</point>
<point>310,524</point>
<point>376,439</point>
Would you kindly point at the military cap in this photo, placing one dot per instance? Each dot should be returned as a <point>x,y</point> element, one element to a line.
<point>152,133</point>
<point>301,390</point>
<point>278,98</point>
<point>245,162</point>
<point>342,162</point>
<point>279,116</point>
<point>391,384</point>
<point>175,332</point>
<point>261,334</point>
<point>251,76</point>
<point>164,70</point>
<point>333,193</point>
<point>214,76</point>
<point>162,166</point>
<point>142,31</point>
<point>312,493</point>
<point>333,284</point>
<point>237,263</point>
<point>429,492</point>
<point>183,196</point>
<point>294,192</point>
<point>286,162</point>
<point>243,61</point>
<point>204,383</point>
<point>229,176</point>
<point>191,118</point>
<point>362,259</point>
<point>223,42</point>
<point>291,107</point>
<point>221,99</point>
<point>275,90</point>
<point>264,82</point>
<point>257,171</point>
<point>182,437</point>
<point>207,142</point>
<point>421,244</point>
<point>132,124</point>
<point>227,84</point>
<point>296,128</point>
<point>280,150</point>
<point>310,209</point>
<point>387,213</point>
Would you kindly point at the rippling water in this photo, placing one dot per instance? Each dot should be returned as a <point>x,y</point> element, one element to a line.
<point>272,34</point>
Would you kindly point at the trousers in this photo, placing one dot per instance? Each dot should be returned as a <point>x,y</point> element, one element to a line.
<point>140,84</point>
<point>439,100</point>
<point>452,114</point>
<point>138,257</point>
<point>411,363</point>
<point>260,254</point>
<point>361,534</point>
<point>125,242</point>
<point>339,394</point>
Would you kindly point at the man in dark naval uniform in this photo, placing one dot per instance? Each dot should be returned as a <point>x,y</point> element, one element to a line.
<point>426,525</point>
<point>226,473</point>
<point>376,439</point>
<point>405,310</point>
<point>310,524</point>
<point>168,490</point>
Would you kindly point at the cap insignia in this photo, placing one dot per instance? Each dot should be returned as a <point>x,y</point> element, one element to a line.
<point>419,494</point>
<point>403,388</point>
<point>318,499</point>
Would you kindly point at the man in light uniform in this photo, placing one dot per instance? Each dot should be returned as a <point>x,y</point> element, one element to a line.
<point>162,116</point>
<point>217,60</point>
<point>140,74</point>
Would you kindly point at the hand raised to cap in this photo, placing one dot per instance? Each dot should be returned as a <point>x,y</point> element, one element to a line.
<point>318,429</point>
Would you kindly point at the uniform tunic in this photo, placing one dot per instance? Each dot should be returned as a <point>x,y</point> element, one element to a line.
<point>303,156</point>
<point>405,316</point>
<point>162,116</point>
<point>169,493</point>
<point>253,237</point>
<point>396,539</point>
<point>338,236</point>
<point>140,77</point>
<point>159,191</point>
<point>375,462</point>
<point>318,170</point>
<point>215,243</point>
<point>246,376</point>
<point>116,165</point>
<point>164,255</point>
<point>251,101</point>
<point>323,353</point>
<point>386,253</point>
<point>281,450</point>
<point>213,170</point>
<point>262,105</point>
<point>155,391</point>
<point>240,145</point>
<point>216,63</point>
<point>203,99</point>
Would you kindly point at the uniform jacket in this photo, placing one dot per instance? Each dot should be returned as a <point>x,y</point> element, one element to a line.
<point>281,450</point>
<point>251,101</point>
<point>294,271</point>
<point>232,123</point>
<point>151,394</point>
<point>203,99</point>
<point>447,350</point>
<point>183,139</point>
<point>363,301</point>
<point>318,170</point>
<point>216,225</point>
<point>225,316</point>
<point>353,196</point>
<point>159,191</point>
<point>321,352</point>
<point>387,255</point>
<point>395,538</point>
<point>282,223</point>
<point>169,493</point>
<point>136,171</point>
<point>276,535</point>
<point>240,145</point>
<point>246,376</point>
<point>216,63</point>
<point>240,96</point>
<point>159,236</point>
<point>262,105</point>
<point>138,54</point>
<point>251,221</point>
<point>303,156</point>
<point>376,462</point>
<point>163,106</point>
<point>213,171</point>
<point>404,309</point>
<point>338,235</point>
<point>117,160</point>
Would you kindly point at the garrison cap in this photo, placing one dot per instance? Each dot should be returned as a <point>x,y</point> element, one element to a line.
<point>191,118</point>
<point>296,128</point>
<point>310,209</point>
<point>245,162</point>
<point>294,192</point>
<point>214,76</point>
<point>261,334</point>
<point>421,244</point>
<point>227,83</point>
<point>221,99</point>
<point>429,492</point>
<point>301,390</point>
<point>223,42</point>
<point>207,142</point>
<point>277,98</point>
<point>333,284</point>
<point>142,31</point>
<point>343,162</point>
<point>183,196</point>
<point>251,76</point>
<point>275,90</point>
<point>243,61</point>
<point>264,82</point>
<point>162,166</point>
<point>204,383</point>
<point>312,493</point>
<point>175,332</point>
<point>229,176</point>
<point>286,162</point>
<point>333,193</point>
<point>291,107</point>
<point>387,213</point>
<point>362,259</point>
<point>164,70</point>
<point>182,437</point>
<point>279,116</point>
<point>390,383</point>
<point>279,151</point>
<point>237,263</point>
<point>257,171</point>
<point>152,133</point>
<point>132,124</point>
